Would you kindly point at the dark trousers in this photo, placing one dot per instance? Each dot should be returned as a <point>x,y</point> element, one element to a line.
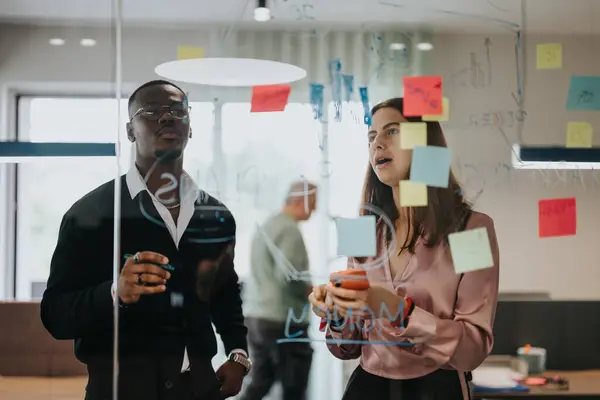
<point>288,363</point>
<point>153,378</point>
<point>439,385</point>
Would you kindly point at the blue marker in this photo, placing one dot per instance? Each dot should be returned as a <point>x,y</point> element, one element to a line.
<point>166,267</point>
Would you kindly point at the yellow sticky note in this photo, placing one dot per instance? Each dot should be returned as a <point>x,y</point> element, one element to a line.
<point>413,134</point>
<point>579,134</point>
<point>413,194</point>
<point>549,56</point>
<point>445,116</point>
<point>189,52</point>
<point>470,250</point>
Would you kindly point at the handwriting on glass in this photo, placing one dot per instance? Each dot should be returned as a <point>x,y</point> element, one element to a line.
<point>475,75</point>
<point>498,119</point>
<point>352,321</point>
<point>303,12</point>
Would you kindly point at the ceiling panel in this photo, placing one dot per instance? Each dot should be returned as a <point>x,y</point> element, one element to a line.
<point>561,16</point>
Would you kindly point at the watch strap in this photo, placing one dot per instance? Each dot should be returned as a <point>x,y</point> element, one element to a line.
<point>239,358</point>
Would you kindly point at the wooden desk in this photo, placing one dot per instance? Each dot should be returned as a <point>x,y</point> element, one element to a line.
<point>582,385</point>
<point>37,388</point>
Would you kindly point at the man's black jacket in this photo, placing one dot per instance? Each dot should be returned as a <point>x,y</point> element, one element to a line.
<point>77,303</point>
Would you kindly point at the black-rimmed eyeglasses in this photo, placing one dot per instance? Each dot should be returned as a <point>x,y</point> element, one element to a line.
<point>154,111</point>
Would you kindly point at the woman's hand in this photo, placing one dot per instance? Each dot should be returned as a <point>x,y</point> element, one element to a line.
<point>375,302</point>
<point>317,300</point>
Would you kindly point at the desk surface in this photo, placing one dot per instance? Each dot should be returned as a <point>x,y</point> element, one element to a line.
<point>581,383</point>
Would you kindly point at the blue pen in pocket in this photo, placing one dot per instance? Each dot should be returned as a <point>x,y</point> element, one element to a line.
<point>166,267</point>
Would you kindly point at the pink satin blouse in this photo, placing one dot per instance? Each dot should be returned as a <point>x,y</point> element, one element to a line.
<point>451,324</point>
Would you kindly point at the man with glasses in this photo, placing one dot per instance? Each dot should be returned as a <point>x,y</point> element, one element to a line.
<point>176,275</point>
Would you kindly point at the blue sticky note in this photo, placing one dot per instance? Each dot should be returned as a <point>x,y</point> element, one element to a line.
<point>431,165</point>
<point>584,93</point>
<point>356,236</point>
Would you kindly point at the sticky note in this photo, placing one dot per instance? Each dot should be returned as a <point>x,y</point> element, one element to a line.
<point>470,250</point>
<point>422,95</point>
<point>579,134</point>
<point>431,165</point>
<point>445,116</point>
<point>584,93</point>
<point>356,236</point>
<point>549,56</point>
<point>413,194</point>
<point>270,98</point>
<point>557,217</point>
<point>189,52</point>
<point>413,134</point>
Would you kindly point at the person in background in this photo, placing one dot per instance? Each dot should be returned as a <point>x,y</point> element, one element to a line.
<point>443,318</point>
<point>272,291</point>
<point>166,339</point>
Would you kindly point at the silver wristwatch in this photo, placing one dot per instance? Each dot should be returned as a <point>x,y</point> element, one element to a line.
<point>243,361</point>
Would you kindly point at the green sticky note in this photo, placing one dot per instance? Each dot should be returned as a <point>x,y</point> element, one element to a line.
<point>413,134</point>
<point>471,250</point>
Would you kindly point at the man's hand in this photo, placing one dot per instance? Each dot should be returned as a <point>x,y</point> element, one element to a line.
<point>231,375</point>
<point>140,277</point>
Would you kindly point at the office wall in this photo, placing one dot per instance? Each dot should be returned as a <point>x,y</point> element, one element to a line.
<point>484,117</point>
<point>565,267</point>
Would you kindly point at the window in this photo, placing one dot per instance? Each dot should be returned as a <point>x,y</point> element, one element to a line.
<point>46,190</point>
<point>349,157</point>
<point>263,154</point>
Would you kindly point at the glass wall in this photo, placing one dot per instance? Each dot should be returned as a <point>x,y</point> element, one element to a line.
<point>59,76</point>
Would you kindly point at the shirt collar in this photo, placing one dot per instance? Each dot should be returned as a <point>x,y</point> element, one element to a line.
<point>136,184</point>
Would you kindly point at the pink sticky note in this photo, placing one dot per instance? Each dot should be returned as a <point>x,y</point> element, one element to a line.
<point>557,217</point>
<point>422,96</point>
<point>270,98</point>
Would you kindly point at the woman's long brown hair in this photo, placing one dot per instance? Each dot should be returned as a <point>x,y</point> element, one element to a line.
<point>446,208</point>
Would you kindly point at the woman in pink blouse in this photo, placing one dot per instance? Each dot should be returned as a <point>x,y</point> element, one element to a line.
<point>423,327</point>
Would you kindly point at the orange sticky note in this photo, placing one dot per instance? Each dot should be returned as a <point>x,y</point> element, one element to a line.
<point>270,98</point>
<point>422,96</point>
<point>557,217</point>
<point>189,52</point>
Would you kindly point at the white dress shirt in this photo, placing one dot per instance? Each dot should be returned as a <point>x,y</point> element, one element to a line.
<point>189,192</point>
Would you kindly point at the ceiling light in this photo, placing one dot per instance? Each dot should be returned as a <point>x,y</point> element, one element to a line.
<point>56,41</point>
<point>397,46</point>
<point>262,12</point>
<point>87,42</point>
<point>424,46</point>
<point>232,72</point>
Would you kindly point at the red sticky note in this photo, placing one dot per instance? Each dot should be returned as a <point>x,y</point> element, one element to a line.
<point>557,217</point>
<point>422,96</point>
<point>270,98</point>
